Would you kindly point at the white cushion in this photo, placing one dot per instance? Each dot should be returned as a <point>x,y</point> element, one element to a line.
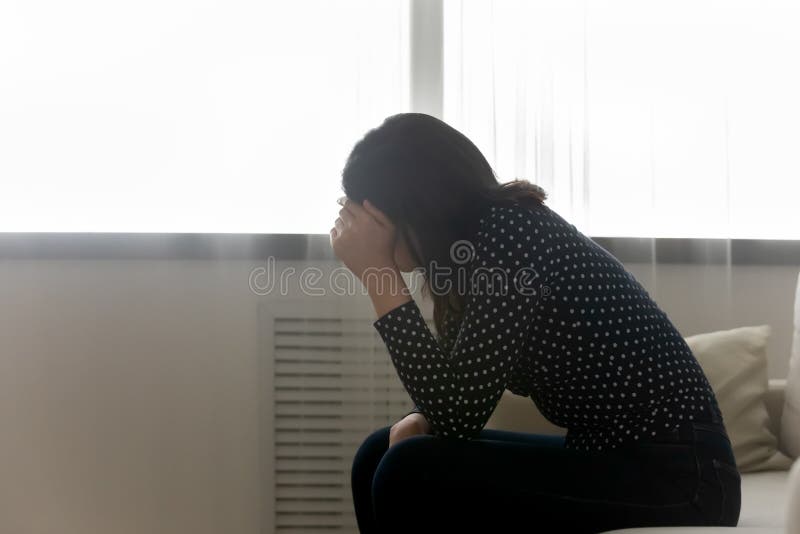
<point>699,530</point>
<point>793,500</point>
<point>735,362</point>
<point>790,424</point>
<point>764,499</point>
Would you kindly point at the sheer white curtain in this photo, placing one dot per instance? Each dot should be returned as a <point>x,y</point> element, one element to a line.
<point>184,116</point>
<point>640,118</point>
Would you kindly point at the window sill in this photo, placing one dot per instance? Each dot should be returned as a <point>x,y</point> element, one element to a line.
<point>316,247</point>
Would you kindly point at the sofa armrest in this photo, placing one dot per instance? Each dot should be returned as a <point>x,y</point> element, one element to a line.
<point>774,400</point>
<point>793,501</point>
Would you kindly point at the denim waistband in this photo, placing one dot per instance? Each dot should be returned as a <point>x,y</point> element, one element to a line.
<point>688,431</point>
<point>691,431</point>
<point>710,439</point>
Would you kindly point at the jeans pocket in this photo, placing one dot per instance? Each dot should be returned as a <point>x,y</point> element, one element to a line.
<point>730,482</point>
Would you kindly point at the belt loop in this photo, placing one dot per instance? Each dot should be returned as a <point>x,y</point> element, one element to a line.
<point>714,409</point>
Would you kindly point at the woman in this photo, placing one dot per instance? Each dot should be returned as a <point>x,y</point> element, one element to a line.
<point>522,301</point>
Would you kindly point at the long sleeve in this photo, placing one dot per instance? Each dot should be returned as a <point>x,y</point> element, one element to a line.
<point>445,340</point>
<point>458,389</point>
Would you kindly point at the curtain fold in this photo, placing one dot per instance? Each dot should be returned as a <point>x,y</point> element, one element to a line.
<point>643,119</point>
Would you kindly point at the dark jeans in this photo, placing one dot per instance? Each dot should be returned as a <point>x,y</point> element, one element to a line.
<point>516,482</point>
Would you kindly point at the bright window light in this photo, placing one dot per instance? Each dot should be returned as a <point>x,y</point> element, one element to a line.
<point>190,116</point>
<point>639,117</point>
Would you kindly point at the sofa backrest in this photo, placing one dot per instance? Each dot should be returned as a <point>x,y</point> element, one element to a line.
<point>519,414</point>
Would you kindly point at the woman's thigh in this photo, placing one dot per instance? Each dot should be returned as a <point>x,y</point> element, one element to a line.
<point>543,440</point>
<point>507,479</point>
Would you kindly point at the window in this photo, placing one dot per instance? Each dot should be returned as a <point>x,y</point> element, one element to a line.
<point>184,116</point>
<point>640,118</point>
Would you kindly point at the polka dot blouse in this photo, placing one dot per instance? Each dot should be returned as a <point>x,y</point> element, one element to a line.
<point>552,316</point>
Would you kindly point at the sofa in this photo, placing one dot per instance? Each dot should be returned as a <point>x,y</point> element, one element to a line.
<point>764,494</point>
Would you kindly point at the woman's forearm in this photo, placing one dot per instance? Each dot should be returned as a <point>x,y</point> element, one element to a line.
<point>386,289</point>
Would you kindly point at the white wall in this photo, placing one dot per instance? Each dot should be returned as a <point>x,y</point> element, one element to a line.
<point>128,398</point>
<point>704,298</point>
<point>129,389</point>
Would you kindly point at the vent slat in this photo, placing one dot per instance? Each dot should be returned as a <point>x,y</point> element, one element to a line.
<point>303,325</point>
<point>309,434</point>
<point>288,425</point>
<point>302,505</point>
<point>362,355</point>
<point>348,368</point>
<point>307,524</point>
<point>342,395</point>
<point>312,466</point>
<point>327,480</point>
<point>367,410</point>
<point>329,341</point>
<point>337,383</point>
<point>310,494</point>
<point>331,354</point>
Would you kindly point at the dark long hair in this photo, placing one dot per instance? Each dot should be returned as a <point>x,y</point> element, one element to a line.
<point>429,178</point>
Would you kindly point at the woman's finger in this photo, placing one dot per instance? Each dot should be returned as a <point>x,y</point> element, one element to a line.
<point>355,211</point>
<point>347,216</point>
<point>376,213</point>
<point>339,223</point>
<point>354,208</point>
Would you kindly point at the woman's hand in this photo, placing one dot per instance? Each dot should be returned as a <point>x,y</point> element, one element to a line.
<point>413,424</point>
<point>363,237</point>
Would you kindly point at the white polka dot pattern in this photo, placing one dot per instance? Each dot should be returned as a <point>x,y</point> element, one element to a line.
<point>590,347</point>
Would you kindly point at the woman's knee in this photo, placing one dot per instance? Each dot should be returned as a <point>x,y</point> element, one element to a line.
<point>403,464</point>
<point>371,450</point>
<point>406,482</point>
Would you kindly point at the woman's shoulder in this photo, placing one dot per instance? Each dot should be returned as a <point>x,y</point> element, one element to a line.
<point>502,218</point>
<point>507,235</point>
<point>528,234</point>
